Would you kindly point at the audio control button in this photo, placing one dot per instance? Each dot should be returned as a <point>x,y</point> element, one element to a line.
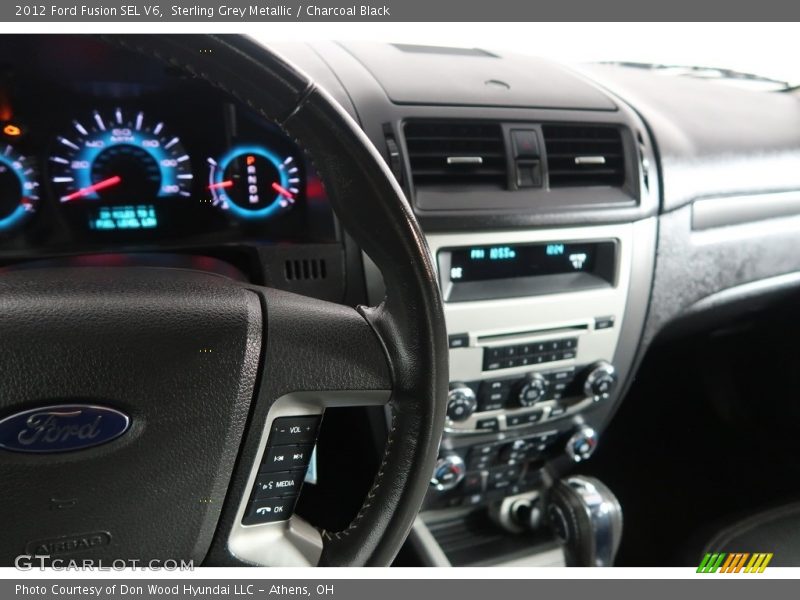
<point>294,430</point>
<point>493,395</point>
<point>287,483</point>
<point>493,353</point>
<point>487,424</point>
<point>601,381</point>
<point>603,322</point>
<point>532,390</point>
<point>461,402</point>
<point>458,340</point>
<point>569,344</point>
<point>526,419</point>
<point>280,458</point>
<point>562,375</point>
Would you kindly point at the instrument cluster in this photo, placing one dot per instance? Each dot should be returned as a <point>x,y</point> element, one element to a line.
<point>100,147</point>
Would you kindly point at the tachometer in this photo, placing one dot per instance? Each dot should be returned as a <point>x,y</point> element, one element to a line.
<point>120,159</point>
<point>18,189</point>
<point>253,182</point>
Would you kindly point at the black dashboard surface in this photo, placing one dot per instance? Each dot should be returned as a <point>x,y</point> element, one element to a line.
<point>428,75</point>
<point>714,139</point>
<point>102,149</point>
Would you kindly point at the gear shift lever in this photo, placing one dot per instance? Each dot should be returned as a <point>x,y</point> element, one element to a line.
<point>587,518</point>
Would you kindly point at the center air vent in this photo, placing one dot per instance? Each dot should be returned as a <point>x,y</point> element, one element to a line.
<point>584,155</point>
<point>451,153</point>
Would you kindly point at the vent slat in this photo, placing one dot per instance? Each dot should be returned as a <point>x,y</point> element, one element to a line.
<point>431,143</point>
<point>305,269</point>
<point>566,143</point>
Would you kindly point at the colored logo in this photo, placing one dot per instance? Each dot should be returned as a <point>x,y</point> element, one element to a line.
<point>735,562</point>
<point>61,428</point>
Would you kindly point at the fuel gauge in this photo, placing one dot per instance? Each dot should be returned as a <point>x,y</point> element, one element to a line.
<point>253,182</point>
<point>18,189</point>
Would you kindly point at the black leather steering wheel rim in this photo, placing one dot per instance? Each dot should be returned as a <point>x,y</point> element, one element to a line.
<point>373,210</point>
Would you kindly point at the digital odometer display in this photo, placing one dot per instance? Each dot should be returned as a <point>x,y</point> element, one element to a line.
<point>482,263</point>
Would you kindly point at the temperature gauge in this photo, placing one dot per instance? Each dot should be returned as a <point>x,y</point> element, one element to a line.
<point>18,189</point>
<point>253,182</point>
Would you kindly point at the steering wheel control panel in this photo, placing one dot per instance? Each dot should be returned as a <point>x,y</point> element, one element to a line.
<point>534,321</point>
<point>282,470</point>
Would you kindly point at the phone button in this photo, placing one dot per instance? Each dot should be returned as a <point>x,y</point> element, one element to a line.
<point>269,510</point>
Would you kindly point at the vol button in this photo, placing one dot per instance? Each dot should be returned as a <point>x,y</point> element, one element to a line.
<point>294,430</point>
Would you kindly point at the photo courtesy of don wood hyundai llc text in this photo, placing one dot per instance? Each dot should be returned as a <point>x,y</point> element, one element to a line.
<point>472,302</point>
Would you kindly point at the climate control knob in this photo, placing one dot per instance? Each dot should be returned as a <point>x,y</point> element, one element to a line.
<point>581,445</point>
<point>461,402</point>
<point>601,381</point>
<point>448,473</point>
<point>533,390</point>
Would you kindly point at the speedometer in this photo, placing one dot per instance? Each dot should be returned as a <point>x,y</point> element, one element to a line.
<point>119,158</point>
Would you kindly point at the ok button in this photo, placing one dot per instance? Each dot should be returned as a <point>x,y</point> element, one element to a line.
<point>286,483</point>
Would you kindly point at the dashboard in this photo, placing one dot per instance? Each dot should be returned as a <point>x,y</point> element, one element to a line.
<point>102,149</point>
<point>571,218</point>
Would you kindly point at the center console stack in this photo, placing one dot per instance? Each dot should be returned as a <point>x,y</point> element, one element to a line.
<point>534,321</point>
<point>540,344</point>
<point>538,192</point>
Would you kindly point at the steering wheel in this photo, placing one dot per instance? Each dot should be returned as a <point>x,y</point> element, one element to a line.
<point>210,372</point>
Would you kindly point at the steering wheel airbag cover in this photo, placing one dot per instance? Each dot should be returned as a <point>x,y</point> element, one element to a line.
<point>175,350</point>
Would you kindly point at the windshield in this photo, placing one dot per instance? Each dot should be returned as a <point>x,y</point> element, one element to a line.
<point>766,50</point>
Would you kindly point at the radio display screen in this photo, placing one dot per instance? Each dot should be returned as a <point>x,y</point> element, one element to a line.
<point>482,263</point>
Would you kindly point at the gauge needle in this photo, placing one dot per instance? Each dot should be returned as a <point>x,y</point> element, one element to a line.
<point>221,185</point>
<point>100,185</point>
<point>282,191</point>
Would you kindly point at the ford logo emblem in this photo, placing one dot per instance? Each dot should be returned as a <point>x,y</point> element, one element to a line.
<point>61,428</point>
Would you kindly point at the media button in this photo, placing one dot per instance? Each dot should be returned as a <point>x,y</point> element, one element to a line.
<point>285,483</point>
